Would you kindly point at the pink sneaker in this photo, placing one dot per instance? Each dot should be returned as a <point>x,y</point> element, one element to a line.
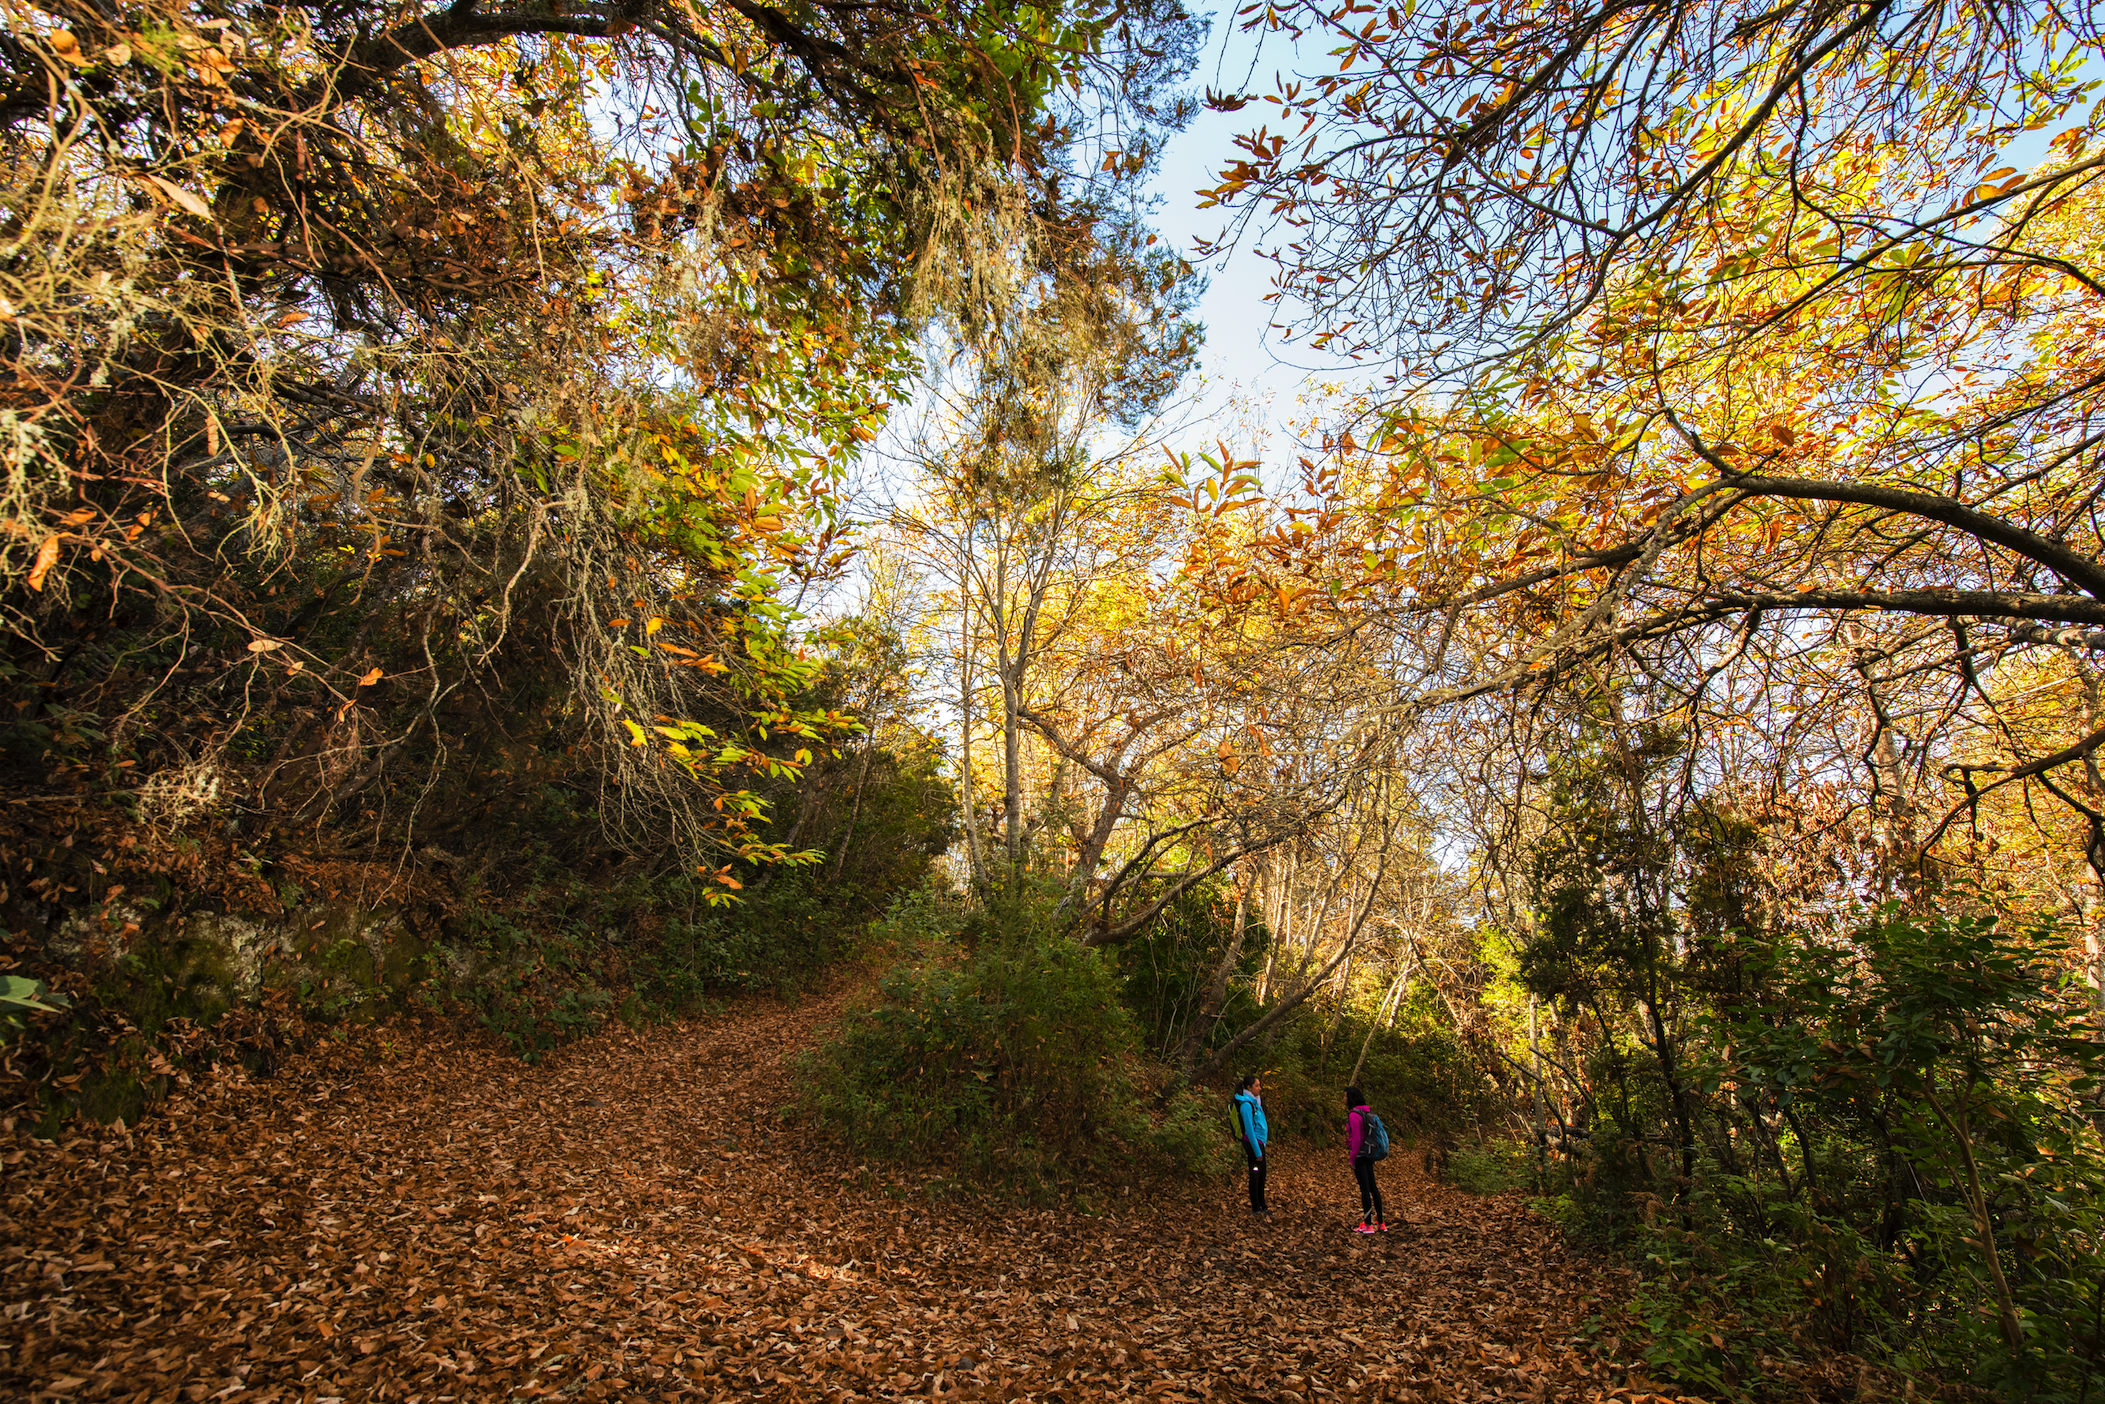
<point>1365,1228</point>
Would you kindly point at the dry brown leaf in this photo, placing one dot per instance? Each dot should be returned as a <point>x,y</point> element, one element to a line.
<point>419,1213</point>
<point>183,199</point>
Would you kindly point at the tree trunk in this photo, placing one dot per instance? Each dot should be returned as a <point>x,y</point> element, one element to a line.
<point>1294,1001</point>
<point>1279,1012</point>
<point>965,797</point>
<point>1895,801</point>
<point>1012,766</point>
<point>1216,995</point>
<point>1344,992</point>
<point>1668,1058</point>
<point>1955,1121</point>
<point>1388,1003</point>
<point>815,796</point>
<point>862,775</point>
<point>1278,931</point>
<point>1071,903</point>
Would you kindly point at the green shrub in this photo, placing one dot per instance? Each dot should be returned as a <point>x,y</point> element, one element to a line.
<point>535,1015</point>
<point>1189,1138</point>
<point>1000,1049</point>
<point>1491,1167</point>
<point>782,939</point>
<point>547,965</point>
<point>1164,971</point>
<point>1868,1099</point>
<point>1417,1074</point>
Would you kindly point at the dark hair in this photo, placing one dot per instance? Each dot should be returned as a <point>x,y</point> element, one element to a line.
<point>1353,1098</point>
<point>1247,1079</point>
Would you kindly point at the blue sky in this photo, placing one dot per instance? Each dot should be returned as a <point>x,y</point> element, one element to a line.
<point>1242,357</point>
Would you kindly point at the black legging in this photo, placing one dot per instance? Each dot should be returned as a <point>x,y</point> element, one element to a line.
<point>1256,1177</point>
<point>1369,1192</point>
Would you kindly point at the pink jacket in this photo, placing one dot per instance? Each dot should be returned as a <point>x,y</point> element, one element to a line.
<point>1355,1131</point>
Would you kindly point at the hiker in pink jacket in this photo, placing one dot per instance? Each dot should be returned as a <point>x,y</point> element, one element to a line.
<point>1366,1141</point>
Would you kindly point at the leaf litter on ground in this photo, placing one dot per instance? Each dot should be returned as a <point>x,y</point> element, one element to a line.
<point>632,1218</point>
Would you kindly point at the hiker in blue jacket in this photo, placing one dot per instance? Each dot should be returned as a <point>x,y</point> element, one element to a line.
<point>1250,1126</point>
<point>1361,1140</point>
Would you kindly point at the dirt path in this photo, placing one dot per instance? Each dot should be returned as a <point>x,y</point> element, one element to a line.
<point>437,1221</point>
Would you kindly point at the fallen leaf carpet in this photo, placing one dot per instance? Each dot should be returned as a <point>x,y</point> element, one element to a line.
<point>423,1218</point>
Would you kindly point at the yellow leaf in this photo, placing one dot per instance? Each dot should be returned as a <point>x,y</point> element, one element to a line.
<point>189,203</point>
<point>636,736</point>
<point>653,624</point>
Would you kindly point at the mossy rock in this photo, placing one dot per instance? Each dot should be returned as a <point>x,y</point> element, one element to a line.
<point>175,974</point>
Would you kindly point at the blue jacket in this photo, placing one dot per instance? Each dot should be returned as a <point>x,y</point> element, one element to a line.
<point>1250,1115</point>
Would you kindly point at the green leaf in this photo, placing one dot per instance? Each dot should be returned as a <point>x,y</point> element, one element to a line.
<point>18,992</point>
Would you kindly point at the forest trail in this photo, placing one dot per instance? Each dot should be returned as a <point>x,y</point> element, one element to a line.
<point>630,1219</point>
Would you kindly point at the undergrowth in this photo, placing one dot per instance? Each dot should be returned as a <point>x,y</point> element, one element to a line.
<point>1862,1121</point>
<point>1002,1050</point>
<point>1490,1167</point>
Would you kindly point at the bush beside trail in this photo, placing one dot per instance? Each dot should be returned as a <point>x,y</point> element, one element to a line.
<point>1002,1050</point>
<point>174,951</point>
